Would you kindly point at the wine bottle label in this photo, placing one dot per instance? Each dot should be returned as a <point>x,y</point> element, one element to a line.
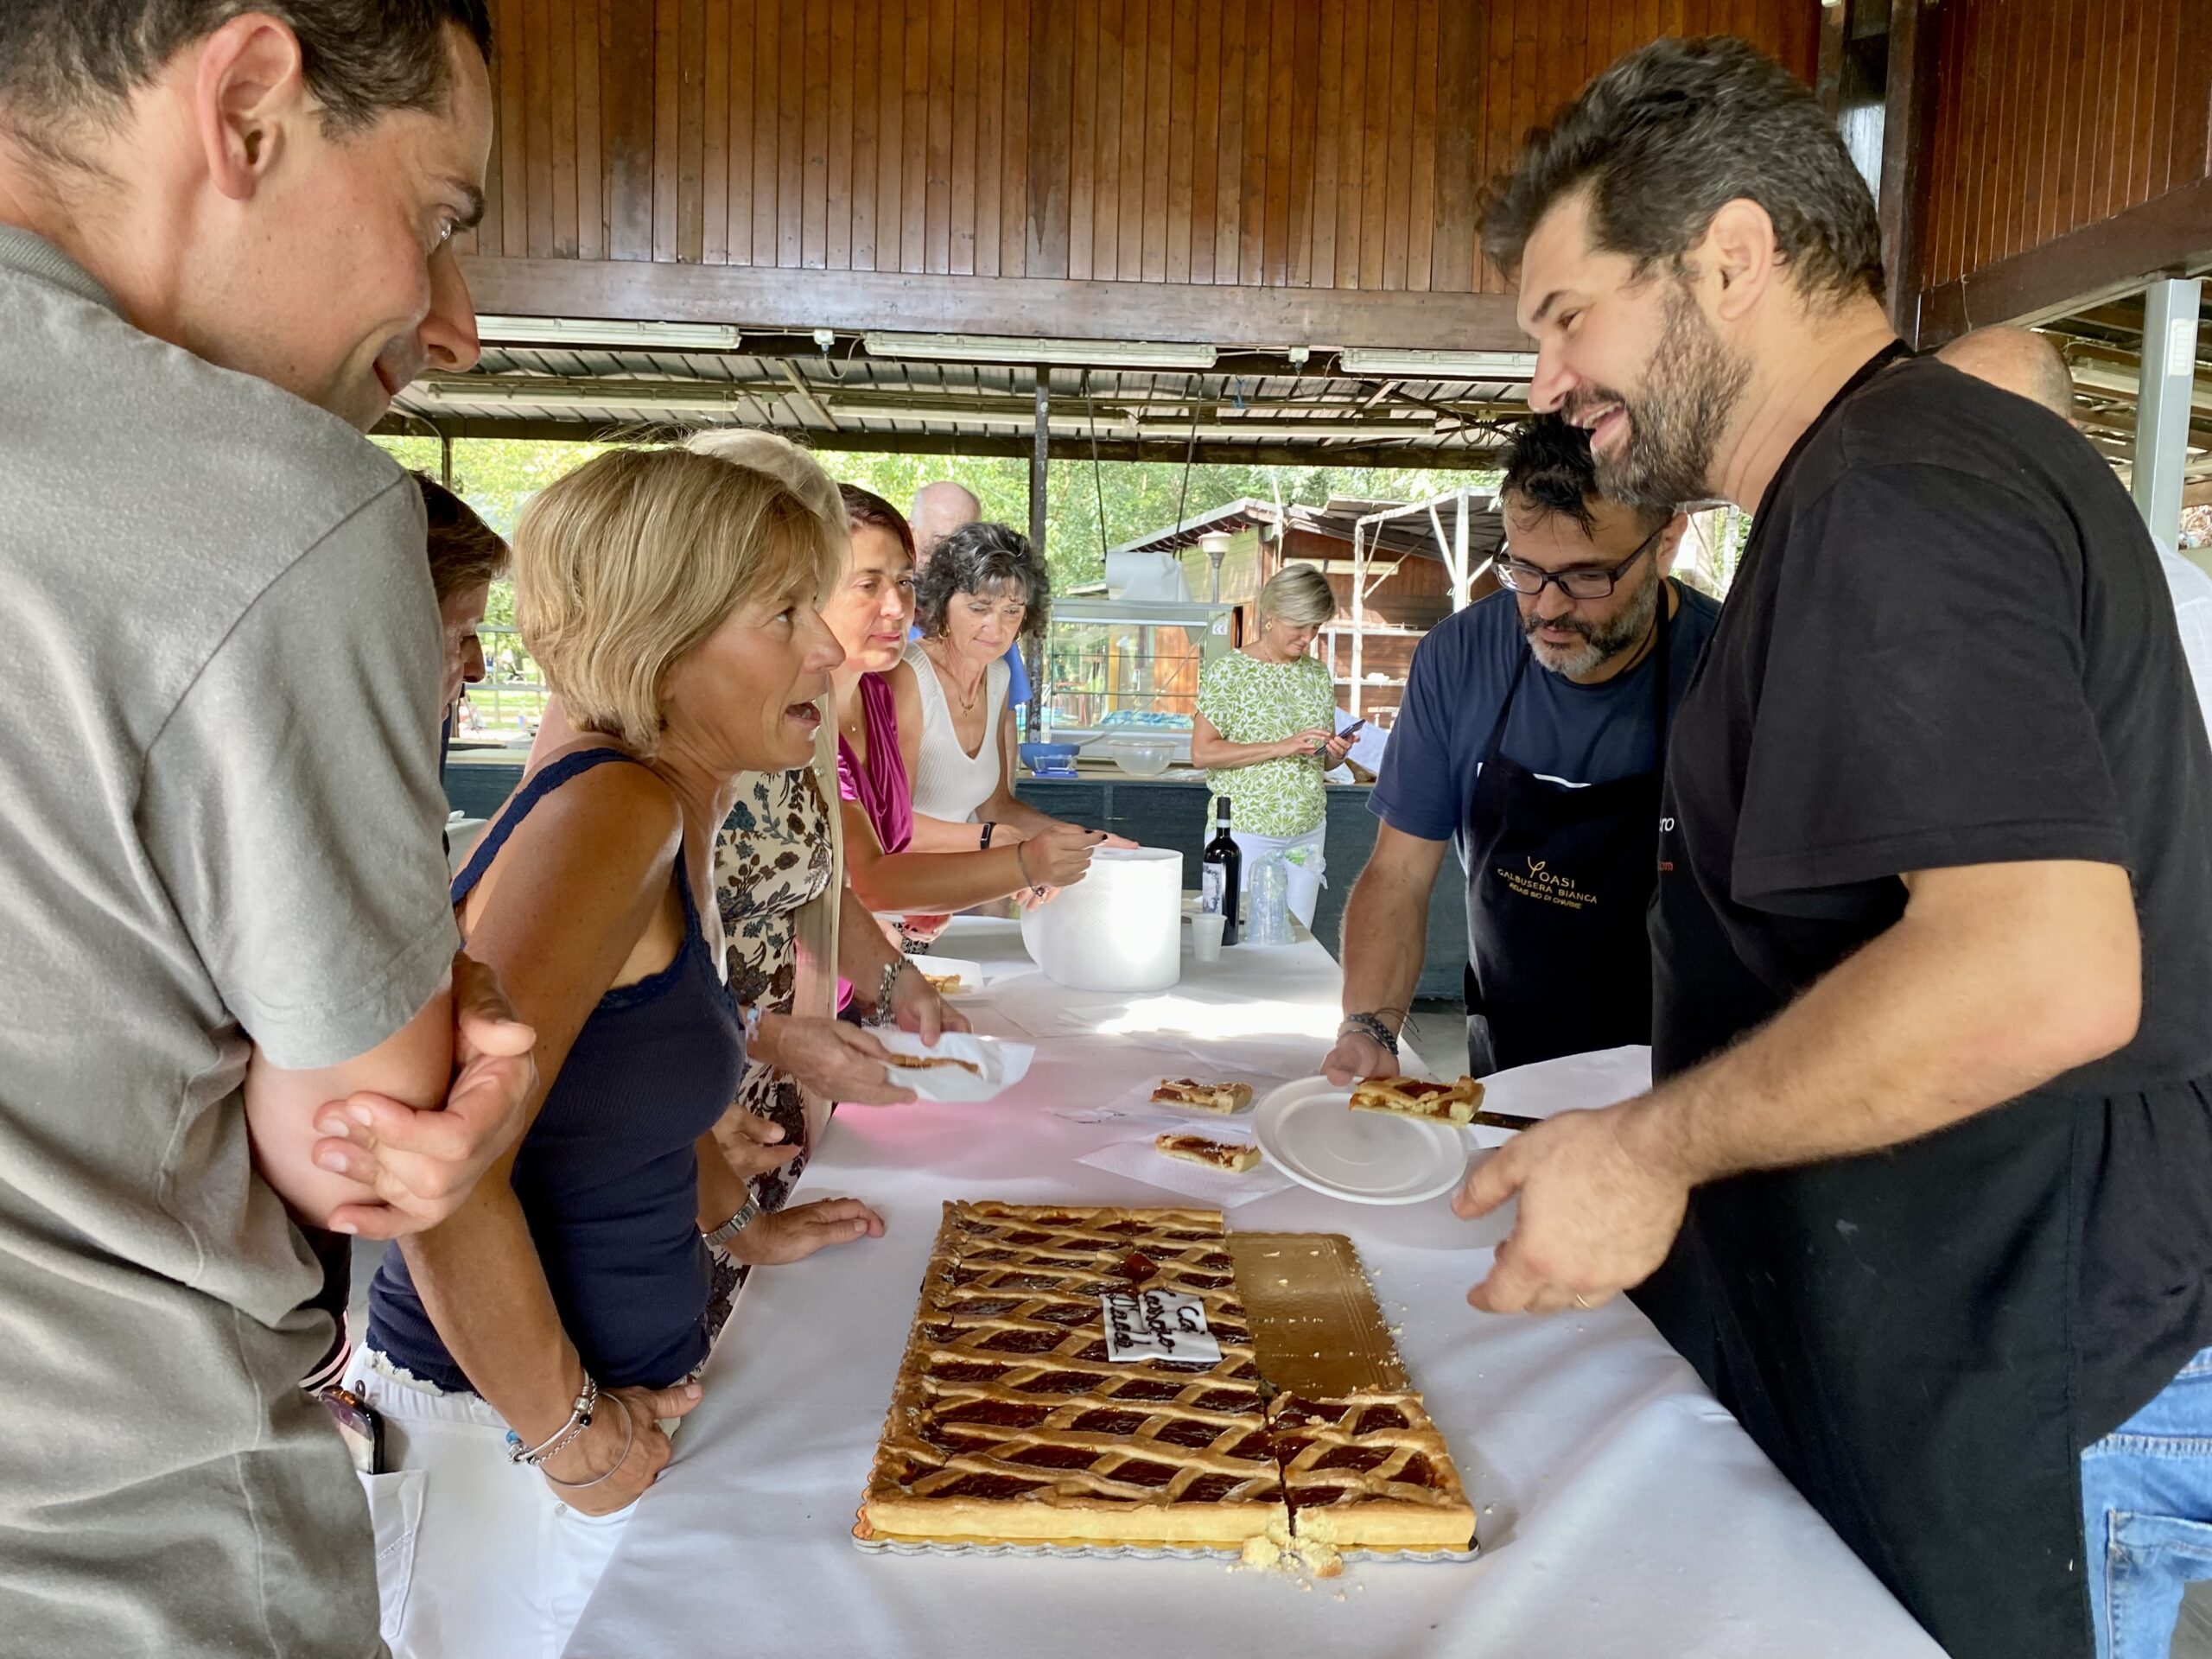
<point>1210,882</point>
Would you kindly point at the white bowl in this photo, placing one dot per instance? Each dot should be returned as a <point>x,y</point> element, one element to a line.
<point>1119,929</point>
<point>1143,757</point>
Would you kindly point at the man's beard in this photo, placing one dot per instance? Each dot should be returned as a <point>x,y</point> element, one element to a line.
<point>1691,387</point>
<point>1600,644</point>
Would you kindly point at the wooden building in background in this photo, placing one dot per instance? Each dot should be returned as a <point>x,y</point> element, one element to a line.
<point>1409,587</point>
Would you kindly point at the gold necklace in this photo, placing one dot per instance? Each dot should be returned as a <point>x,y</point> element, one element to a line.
<point>944,678</point>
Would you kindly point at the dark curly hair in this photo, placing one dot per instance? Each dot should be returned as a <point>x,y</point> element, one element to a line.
<point>1548,469</point>
<point>1672,133</point>
<point>982,559</point>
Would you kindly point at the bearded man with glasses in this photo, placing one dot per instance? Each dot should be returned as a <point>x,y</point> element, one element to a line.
<point>1547,784</point>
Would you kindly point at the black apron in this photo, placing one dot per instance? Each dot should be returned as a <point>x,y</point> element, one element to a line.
<point>1558,883</point>
<point>1894,1330</point>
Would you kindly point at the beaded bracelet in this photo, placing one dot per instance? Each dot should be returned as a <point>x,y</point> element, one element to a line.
<point>1369,1025</point>
<point>890,972</point>
<point>629,1439</point>
<point>579,1419</point>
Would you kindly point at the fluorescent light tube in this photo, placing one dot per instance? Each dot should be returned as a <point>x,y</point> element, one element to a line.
<point>609,332</point>
<point>1012,348</point>
<point>1438,365</point>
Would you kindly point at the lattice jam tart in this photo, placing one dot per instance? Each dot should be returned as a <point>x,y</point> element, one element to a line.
<point>1369,1472</point>
<point>1009,1424</point>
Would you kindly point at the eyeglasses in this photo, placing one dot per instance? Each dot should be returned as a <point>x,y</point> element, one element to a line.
<point>1584,582</point>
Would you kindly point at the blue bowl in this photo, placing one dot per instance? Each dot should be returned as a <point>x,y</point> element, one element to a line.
<point>1048,757</point>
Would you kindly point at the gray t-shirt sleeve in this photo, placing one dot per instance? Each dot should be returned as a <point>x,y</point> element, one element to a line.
<point>291,805</point>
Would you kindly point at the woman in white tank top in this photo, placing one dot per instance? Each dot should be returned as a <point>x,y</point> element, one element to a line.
<point>983,589</point>
<point>951,783</point>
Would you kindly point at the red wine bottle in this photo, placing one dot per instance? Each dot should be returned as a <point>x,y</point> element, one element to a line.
<point>1221,872</point>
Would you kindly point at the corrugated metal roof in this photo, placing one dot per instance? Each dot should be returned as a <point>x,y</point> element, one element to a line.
<point>1266,402</point>
<point>1411,534</point>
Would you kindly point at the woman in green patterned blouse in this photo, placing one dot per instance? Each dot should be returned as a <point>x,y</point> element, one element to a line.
<point>1266,731</point>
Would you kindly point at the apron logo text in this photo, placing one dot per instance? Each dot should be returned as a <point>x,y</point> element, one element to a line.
<point>1539,882</point>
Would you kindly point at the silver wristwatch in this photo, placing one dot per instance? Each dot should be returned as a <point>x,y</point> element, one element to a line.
<point>721,1238</point>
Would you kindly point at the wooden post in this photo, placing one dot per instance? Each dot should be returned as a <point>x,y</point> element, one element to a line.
<point>1358,611</point>
<point>445,460</point>
<point>1836,33</point>
<point>1032,649</point>
<point>1910,83</point>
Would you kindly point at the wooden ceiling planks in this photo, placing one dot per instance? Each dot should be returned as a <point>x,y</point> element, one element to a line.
<point>2055,115</point>
<point>1326,144</point>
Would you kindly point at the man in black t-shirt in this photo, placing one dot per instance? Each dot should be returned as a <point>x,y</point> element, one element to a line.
<point>1925,1185</point>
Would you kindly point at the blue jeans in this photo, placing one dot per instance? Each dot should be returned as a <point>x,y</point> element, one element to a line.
<point>2146,1509</point>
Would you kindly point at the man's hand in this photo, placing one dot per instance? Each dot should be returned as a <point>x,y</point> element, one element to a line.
<point>792,1234</point>
<point>1356,1058</point>
<point>1595,1218</point>
<point>421,1164</point>
<point>916,1007</point>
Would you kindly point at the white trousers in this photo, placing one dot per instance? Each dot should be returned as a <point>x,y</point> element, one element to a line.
<point>476,1557</point>
<point>1306,879</point>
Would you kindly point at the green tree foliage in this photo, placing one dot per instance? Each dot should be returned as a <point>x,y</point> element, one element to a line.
<point>497,476</point>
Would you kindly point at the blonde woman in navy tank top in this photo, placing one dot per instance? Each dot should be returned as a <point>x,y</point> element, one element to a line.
<point>527,1352</point>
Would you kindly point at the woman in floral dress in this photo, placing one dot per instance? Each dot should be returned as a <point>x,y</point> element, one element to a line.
<point>1266,731</point>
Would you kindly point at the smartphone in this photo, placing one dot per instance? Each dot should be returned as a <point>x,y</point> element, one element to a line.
<point>360,1424</point>
<point>1347,732</point>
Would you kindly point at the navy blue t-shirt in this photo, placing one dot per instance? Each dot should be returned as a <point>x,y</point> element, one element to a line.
<point>1570,734</point>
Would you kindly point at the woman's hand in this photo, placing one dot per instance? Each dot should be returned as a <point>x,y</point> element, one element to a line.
<point>920,929</point>
<point>792,1234</point>
<point>916,1007</point>
<point>752,1145</point>
<point>1060,857</point>
<point>1302,744</point>
<point>1338,748</point>
<point>832,1059</point>
<point>624,1417</point>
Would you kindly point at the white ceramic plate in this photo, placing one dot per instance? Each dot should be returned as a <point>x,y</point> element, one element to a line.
<point>1309,1133</point>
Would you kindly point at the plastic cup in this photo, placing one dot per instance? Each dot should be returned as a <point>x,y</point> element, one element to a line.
<point>1206,929</point>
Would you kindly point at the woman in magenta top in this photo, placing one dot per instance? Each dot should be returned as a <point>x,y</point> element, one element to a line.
<point>869,614</point>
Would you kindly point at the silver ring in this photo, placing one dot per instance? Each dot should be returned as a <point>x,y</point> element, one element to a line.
<point>1580,1303</point>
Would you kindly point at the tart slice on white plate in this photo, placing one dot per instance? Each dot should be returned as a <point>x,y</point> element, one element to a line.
<point>1438,1103</point>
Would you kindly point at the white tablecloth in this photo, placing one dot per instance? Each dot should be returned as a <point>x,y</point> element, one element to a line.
<point>1622,1512</point>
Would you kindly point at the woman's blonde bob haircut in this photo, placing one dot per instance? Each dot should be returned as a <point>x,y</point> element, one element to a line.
<point>628,563</point>
<point>1298,595</point>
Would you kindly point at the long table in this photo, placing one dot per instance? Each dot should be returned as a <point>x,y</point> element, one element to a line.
<point>1621,1510</point>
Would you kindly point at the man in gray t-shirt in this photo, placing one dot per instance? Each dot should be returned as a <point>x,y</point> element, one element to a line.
<point>219,794</point>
